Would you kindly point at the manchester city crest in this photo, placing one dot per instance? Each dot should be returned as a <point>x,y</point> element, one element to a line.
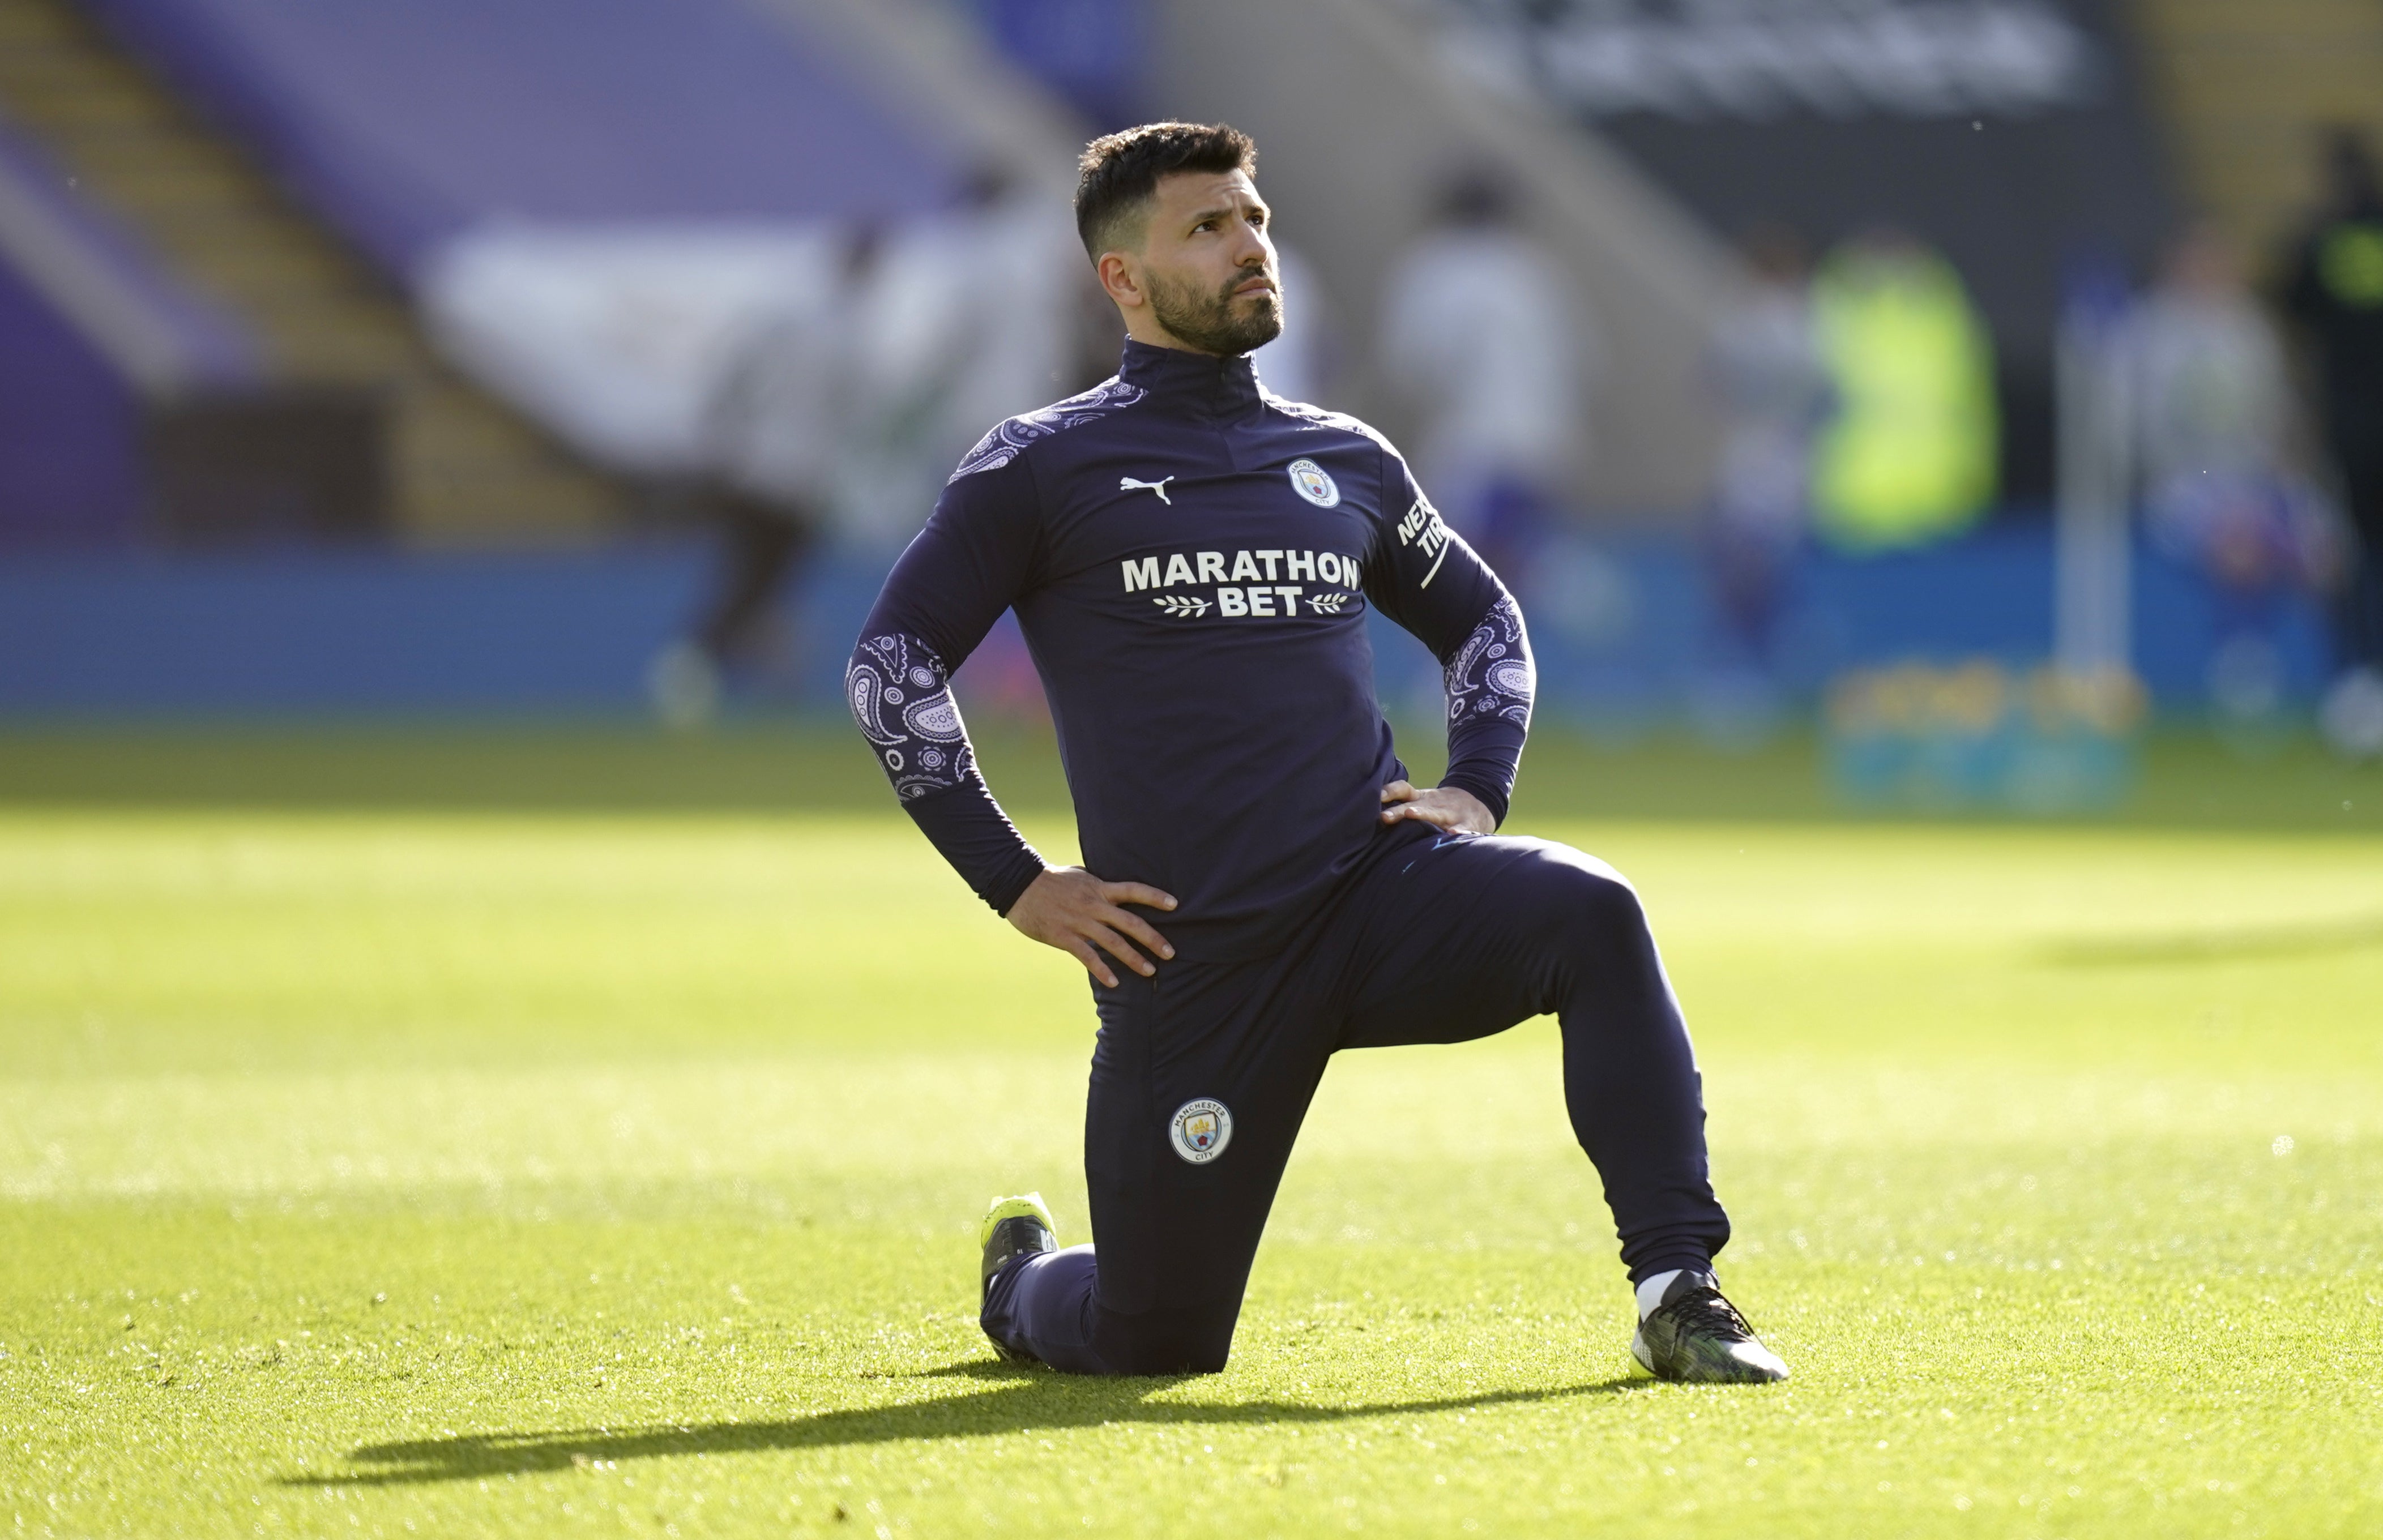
<point>1200,1130</point>
<point>1307,478</point>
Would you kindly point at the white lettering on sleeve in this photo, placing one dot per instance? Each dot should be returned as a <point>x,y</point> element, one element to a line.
<point>1422,529</point>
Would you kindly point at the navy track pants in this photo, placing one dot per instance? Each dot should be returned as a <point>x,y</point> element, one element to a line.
<point>1203,1074</point>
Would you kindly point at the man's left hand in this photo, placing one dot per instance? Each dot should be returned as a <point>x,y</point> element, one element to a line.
<point>1442,806</point>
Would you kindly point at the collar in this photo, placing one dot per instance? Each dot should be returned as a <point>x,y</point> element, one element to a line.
<point>1199,383</point>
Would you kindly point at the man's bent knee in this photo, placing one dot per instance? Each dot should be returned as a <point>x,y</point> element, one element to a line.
<point>1186,1341</point>
<point>1588,891</point>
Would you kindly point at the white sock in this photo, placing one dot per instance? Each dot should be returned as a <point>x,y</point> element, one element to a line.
<point>1650,1293</point>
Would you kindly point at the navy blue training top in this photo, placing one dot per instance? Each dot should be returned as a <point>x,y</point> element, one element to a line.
<point>1190,559</point>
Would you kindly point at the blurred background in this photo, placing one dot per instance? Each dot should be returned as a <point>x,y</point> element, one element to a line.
<point>1939,403</point>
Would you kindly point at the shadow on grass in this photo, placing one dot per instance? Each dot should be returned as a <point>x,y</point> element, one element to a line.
<point>1027,1399</point>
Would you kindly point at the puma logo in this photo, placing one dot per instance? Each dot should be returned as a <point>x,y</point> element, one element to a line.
<point>1129,483</point>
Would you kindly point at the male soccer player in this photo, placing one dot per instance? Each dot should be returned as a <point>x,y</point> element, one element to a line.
<point>1190,559</point>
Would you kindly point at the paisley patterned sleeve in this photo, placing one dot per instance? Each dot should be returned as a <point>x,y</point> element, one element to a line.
<point>974,557</point>
<point>901,699</point>
<point>1490,683</point>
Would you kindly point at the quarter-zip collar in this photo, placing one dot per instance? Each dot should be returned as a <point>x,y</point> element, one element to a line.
<point>1199,385</point>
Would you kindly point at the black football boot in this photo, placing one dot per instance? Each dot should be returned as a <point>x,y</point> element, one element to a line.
<point>1697,1338</point>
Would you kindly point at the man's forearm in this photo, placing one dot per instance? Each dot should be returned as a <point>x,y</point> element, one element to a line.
<point>1490,681</point>
<point>901,699</point>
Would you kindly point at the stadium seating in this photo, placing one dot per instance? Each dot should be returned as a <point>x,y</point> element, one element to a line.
<point>405,134</point>
<point>457,465</point>
<point>613,150</point>
<point>407,125</point>
<point>90,331</point>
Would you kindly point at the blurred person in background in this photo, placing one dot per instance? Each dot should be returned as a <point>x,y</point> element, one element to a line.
<point>970,320</point>
<point>1907,455</point>
<point>1480,330</point>
<point>2333,289</point>
<point>777,430</point>
<point>1296,364</point>
<point>2212,409</point>
<point>840,416</point>
<point>1772,387</point>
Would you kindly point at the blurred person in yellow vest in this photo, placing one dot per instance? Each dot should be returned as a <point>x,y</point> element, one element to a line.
<point>1908,455</point>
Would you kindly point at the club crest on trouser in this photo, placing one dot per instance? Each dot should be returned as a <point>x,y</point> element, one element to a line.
<point>1200,1130</point>
<point>1307,478</point>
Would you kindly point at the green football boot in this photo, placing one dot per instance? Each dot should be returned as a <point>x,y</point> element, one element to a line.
<point>1014,1227</point>
<point>1697,1338</point>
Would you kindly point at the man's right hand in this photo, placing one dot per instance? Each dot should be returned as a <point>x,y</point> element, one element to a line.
<point>1075,911</point>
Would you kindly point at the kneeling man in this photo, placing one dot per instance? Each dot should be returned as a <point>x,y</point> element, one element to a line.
<point>1192,559</point>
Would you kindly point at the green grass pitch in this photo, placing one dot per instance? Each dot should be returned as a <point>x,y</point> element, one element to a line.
<point>396,1165</point>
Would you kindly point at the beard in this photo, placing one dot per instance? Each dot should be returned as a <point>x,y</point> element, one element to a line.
<point>1217,323</point>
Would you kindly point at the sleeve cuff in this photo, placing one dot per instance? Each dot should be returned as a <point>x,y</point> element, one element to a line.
<point>1004,893</point>
<point>979,841</point>
<point>1493,794</point>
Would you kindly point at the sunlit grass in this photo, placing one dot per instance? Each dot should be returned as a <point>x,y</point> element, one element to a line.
<point>367,1173</point>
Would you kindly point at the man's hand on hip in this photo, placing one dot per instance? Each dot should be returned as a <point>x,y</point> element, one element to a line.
<point>1075,911</point>
<point>1442,806</point>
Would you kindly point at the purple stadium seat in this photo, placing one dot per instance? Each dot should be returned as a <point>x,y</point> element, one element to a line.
<point>406,125</point>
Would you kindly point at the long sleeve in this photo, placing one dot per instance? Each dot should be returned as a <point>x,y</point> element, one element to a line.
<point>1422,576</point>
<point>974,557</point>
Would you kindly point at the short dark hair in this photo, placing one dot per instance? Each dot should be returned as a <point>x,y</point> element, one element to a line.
<point>1118,173</point>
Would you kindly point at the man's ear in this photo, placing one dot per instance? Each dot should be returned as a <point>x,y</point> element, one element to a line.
<point>1121,281</point>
